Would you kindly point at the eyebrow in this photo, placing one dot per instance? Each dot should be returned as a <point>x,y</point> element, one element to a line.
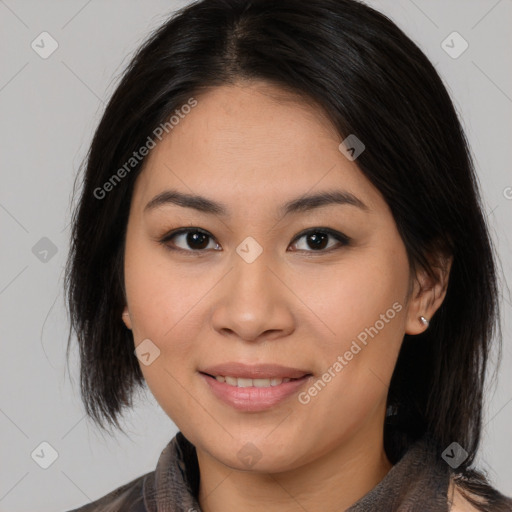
<point>300,204</point>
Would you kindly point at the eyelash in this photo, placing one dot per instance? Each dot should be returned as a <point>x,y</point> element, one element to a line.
<point>340,237</point>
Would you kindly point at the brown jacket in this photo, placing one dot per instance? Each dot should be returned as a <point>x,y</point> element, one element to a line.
<point>418,482</point>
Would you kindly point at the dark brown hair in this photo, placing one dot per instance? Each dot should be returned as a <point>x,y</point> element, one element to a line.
<point>371,80</point>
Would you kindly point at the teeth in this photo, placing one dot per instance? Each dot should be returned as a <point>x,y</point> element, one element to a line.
<point>245,383</point>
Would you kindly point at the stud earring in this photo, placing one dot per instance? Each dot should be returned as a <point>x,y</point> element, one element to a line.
<point>424,321</point>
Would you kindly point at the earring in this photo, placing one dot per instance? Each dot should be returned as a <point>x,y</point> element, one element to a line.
<point>424,321</point>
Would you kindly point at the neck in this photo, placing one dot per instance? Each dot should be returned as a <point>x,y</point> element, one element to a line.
<point>332,482</point>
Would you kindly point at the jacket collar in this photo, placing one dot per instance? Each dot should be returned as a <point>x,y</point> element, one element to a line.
<point>417,482</point>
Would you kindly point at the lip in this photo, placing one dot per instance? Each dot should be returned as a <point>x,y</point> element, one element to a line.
<point>258,371</point>
<point>252,398</point>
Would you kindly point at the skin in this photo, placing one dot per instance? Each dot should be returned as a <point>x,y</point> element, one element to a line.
<point>254,147</point>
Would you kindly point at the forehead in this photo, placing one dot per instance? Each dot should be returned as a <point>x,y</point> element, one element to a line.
<point>253,142</point>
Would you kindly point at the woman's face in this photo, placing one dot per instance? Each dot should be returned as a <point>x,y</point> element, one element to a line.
<point>251,288</point>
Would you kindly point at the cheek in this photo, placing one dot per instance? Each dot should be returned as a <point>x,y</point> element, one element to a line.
<point>158,293</point>
<point>161,303</point>
<point>360,307</point>
<point>355,296</point>
<point>165,315</point>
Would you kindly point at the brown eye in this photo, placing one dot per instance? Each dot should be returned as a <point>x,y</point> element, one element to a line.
<point>317,239</point>
<point>191,240</point>
<point>195,240</point>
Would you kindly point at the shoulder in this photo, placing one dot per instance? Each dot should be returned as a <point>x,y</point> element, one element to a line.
<point>126,498</point>
<point>457,501</point>
<point>484,497</point>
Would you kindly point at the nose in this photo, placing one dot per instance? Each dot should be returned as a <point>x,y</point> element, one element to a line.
<point>253,302</point>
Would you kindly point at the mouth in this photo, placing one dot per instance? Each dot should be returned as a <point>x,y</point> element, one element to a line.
<point>241,382</point>
<point>235,370</point>
<point>253,388</point>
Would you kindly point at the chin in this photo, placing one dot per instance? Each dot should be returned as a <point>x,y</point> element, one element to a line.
<point>258,457</point>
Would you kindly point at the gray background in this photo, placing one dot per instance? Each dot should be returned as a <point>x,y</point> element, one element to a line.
<point>50,108</point>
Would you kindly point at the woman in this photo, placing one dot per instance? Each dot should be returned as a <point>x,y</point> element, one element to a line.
<point>280,232</point>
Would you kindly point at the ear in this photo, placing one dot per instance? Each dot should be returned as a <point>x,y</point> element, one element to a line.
<point>126,318</point>
<point>427,295</point>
